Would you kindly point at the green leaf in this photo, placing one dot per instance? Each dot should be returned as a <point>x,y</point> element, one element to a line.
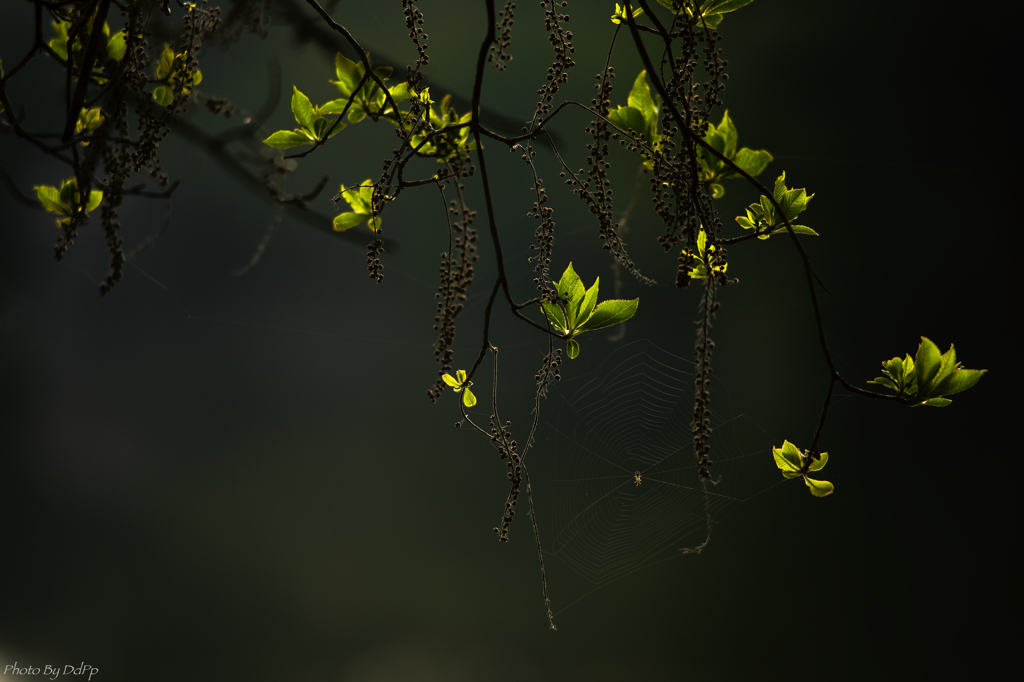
<point>780,187</point>
<point>794,202</point>
<point>608,313</point>
<point>49,197</point>
<point>960,380</point>
<point>163,95</point>
<point>927,364</point>
<point>400,92</point>
<point>285,139</point>
<point>95,197</point>
<point>69,192</point>
<point>589,301</point>
<point>366,194</point>
<point>355,198</point>
<point>450,380</point>
<point>303,111</point>
<point>572,349</point>
<point>752,162</point>
<point>320,127</point>
<point>882,381</point>
<point>620,14</point>
<point>166,63</point>
<point>717,191</point>
<point>799,229</point>
<point>335,106</point>
<point>629,119</point>
<point>640,99</point>
<point>571,291</point>
<point>59,43</point>
<point>723,6</point>
<point>712,20</point>
<point>349,74</point>
<point>936,402</point>
<point>788,458</point>
<point>894,368</point>
<point>116,46</point>
<point>818,464</point>
<point>819,488</point>
<point>718,143</point>
<point>345,221</point>
<point>727,132</point>
<point>468,399</point>
<point>554,315</point>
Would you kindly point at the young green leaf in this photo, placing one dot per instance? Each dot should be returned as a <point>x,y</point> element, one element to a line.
<point>285,139</point>
<point>349,74</point>
<point>640,99</point>
<point>724,139</point>
<point>571,291</point>
<point>788,458</point>
<point>608,313</point>
<point>752,162</point>
<point>344,221</point>
<point>116,46</point>
<point>50,199</point>
<point>303,111</point>
<point>163,95</point>
<point>620,14</point>
<point>629,119</point>
<point>819,488</point>
<point>555,316</point>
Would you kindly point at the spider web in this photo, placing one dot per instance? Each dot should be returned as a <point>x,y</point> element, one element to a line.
<point>632,415</point>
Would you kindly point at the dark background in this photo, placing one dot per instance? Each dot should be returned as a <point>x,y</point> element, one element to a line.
<point>220,477</point>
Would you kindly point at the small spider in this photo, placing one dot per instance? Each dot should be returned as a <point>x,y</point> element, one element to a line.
<point>636,478</point>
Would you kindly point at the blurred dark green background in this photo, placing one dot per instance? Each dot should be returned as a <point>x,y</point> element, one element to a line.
<point>217,477</point>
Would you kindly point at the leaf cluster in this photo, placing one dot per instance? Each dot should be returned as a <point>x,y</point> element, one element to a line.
<point>723,139</point>
<point>439,134</point>
<point>461,383</point>
<point>112,46</point>
<point>925,379</point>
<point>577,310</point>
<point>711,11</point>
<point>640,116</point>
<point>313,124</point>
<point>360,200</point>
<point>173,74</point>
<point>796,464</point>
<point>706,260</point>
<point>367,97</point>
<point>439,138</point>
<point>67,200</point>
<point>766,221</point>
<point>88,121</point>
